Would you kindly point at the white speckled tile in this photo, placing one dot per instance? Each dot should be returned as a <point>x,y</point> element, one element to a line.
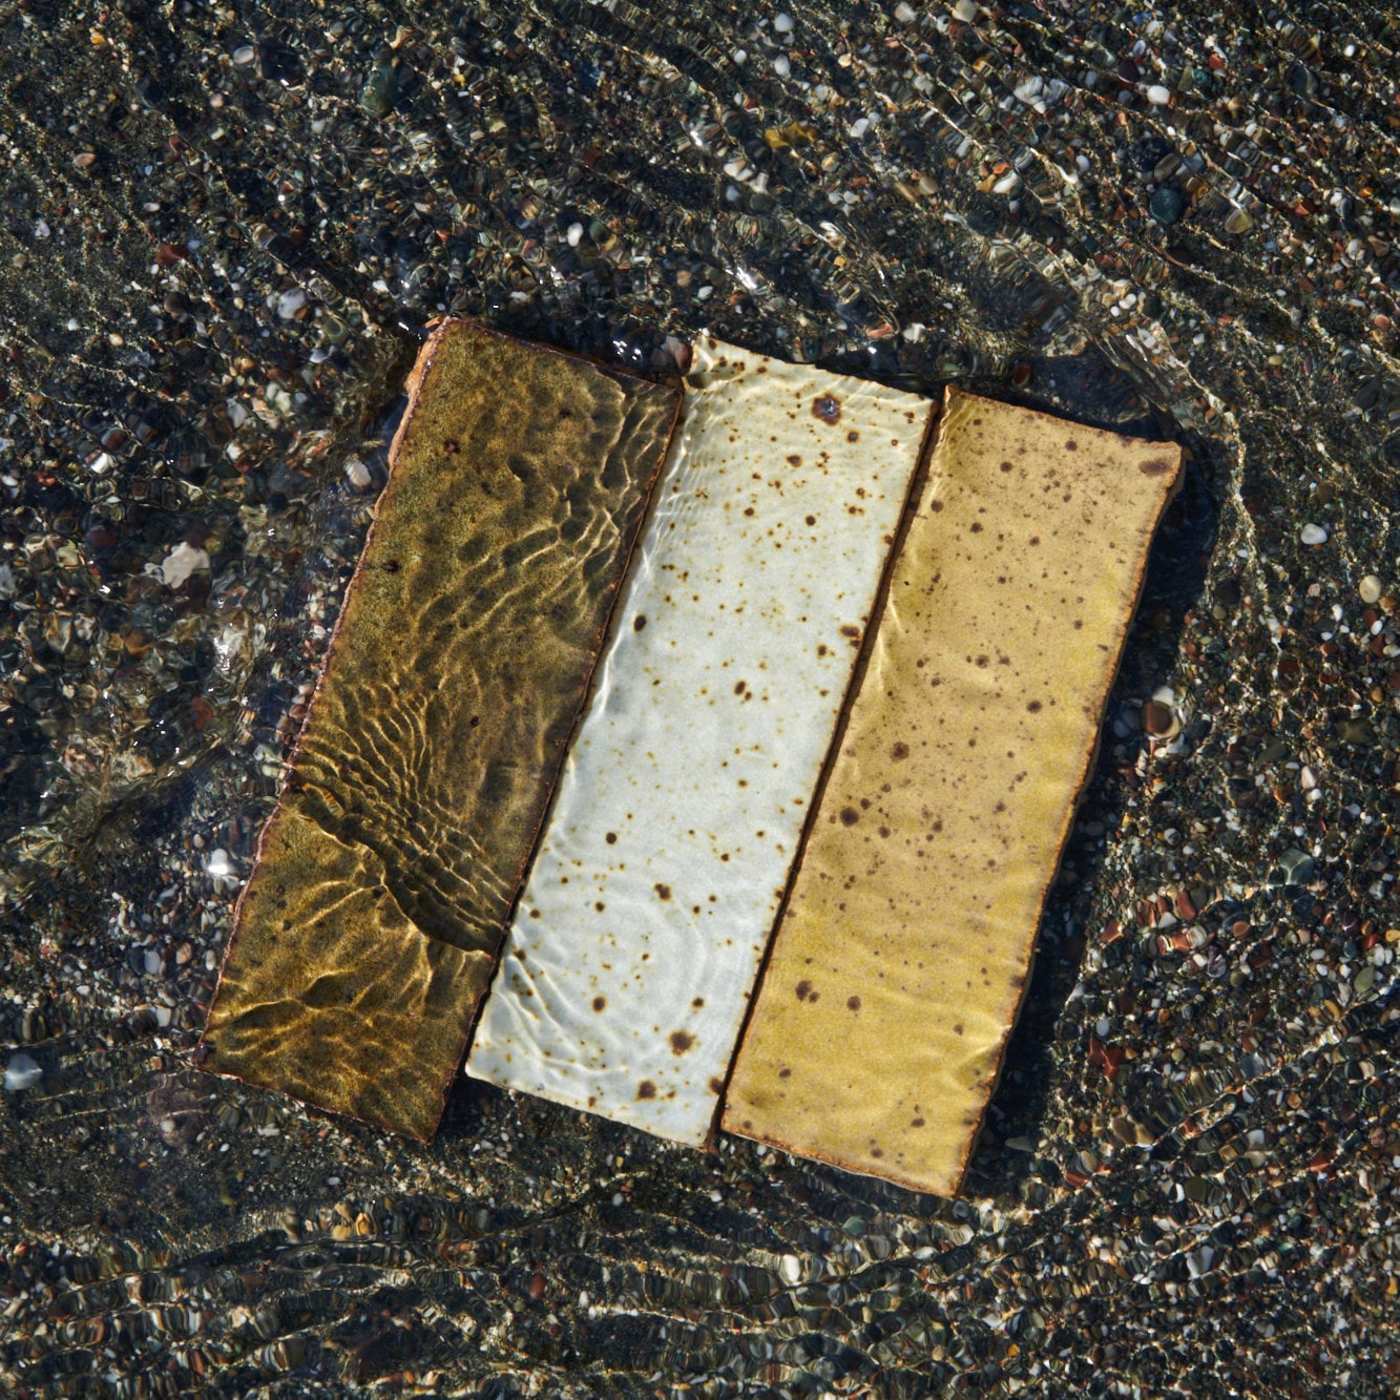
<point>635,945</point>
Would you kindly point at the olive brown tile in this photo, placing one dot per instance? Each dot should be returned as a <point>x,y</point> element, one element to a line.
<point>898,965</point>
<point>468,638</point>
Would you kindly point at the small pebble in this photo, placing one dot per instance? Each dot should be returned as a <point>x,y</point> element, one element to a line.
<point>1157,718</point>
<point>358,474</point>
<point>783,24</point>
<point>1313,534</point>
<point>22,1072</point>
<point>1167,204</point>
<point>181,562</point>
<point>289,303</point>
<point>244,54</point>
<point>219,864</point>
<point>965,10</point>
<point>1159,96</point>
<point>1370,589</point>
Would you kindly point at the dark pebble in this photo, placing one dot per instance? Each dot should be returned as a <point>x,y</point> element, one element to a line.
<point>1167,204</point>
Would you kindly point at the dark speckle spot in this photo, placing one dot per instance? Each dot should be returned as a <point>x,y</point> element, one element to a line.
<point>646,1089</point>
<point>958,1029</point>
<point>681,1041</point>
<point>794,460</point>
<point>811,519</point>
<point>599,1003</point>
<point>612,838</point>
<point>853,1003</point>
<point>716,1085</point>
<point>899,751</point>
<point>1006,466</point>
<point>1155,466</point>
<point>663,891</point>
<point>1034,707</point>
<point>803,989</point>
<point>1071,446</point>
<point>826,407</point>
<point>639,622</point>
<point>849,816</point>
<point>853,436</point>
<point>697,1002</point>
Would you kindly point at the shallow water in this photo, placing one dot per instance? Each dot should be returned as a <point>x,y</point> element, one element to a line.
<point>223,229</point>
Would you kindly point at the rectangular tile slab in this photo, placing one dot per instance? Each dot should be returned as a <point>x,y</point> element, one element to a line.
<point>636,941</point>
<point>898,967</point>
<point>385,877</point>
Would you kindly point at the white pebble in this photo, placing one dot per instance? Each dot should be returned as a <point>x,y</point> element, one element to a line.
<point>22,1072</point>
<point>1158,96</point>
<point>781,66</point>
<point>905,13</point>
<point>1370,589</point>
<point>790,1268</point>
<point>358,473</point>
<point>965,10</point>
<point>243,55</point>
<point>783,24</point>
<point>289,303</point>
<point>219,864</point>
<point>181,562</point>
<point>1312,534</point>
<point>574,234</point>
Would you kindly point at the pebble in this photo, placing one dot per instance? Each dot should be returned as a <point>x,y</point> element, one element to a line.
<point>289,303</point>
<point>1157,718</point>
<point>358,474</point>
<point>1167,204</point>
<point>783,23</point>
<point>790,1268</point>
<point>1370,589</point>
<point>220,864</point>
<point>244,54</point>
<point>1313,534</point>
<point>965,10</point>
<point>1159,96</point>
<point>181,562</point>
<point>1297,866</point>
<point>22,1072</point>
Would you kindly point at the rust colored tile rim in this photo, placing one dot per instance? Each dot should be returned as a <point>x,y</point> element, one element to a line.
<point>416,387</point>
<point>1080,786</point>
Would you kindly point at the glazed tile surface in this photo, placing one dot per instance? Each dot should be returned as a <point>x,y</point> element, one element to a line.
<point>645,914</point>
<point>898,968</point>
<point>384,879</point>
